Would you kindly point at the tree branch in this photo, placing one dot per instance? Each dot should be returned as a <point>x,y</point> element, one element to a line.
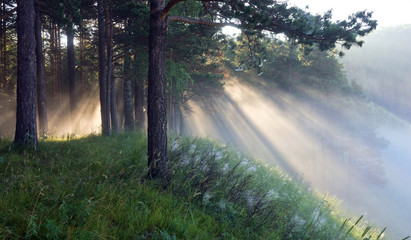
<point>199,21</point>
<point>169,6</point>
<point>9,13</point>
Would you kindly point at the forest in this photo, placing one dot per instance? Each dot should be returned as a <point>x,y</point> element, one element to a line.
<point>372,69</point>
<point>103,102</point>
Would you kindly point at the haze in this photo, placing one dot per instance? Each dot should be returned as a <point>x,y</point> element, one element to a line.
<point>388,13</point>
<point>357,148</point>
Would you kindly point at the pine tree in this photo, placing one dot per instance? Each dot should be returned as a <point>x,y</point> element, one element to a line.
<point>254,15</point>
<point>26,127</point>
<point>41,85</point>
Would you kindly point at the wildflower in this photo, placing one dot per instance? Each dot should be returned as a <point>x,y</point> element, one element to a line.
<point>174,146</point>
<point>185,161</point>
<point>205,168</point>
<point>192,149</point>
<point>252,169</point>
<point>298,221</point>
<point>225,168</point>
<point>321,222</point>
<point>250,200</point>
<point>218,155</point>
<point>316,213</point>
<point>206,197</point>
<point>244,162</point>
<point>221,204</point>
<point>273,194</point>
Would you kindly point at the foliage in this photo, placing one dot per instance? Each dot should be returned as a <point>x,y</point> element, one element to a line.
<point>178,78</point>
<point>256,198</point>
<point>94,188</point>
<point>293,67</point>
<point>9,81</point>
<point>382,67</point>
<point>295,23</point>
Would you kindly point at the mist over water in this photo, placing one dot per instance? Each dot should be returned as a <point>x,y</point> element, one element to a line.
<point>397,163</point>
<point>301,138</point>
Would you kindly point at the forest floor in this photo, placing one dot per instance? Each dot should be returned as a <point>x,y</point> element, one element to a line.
<point>95,188</point>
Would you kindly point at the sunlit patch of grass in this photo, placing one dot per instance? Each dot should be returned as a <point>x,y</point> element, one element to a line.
<point>95,188</point>
<point>92,188</point>
<point>254,197</point>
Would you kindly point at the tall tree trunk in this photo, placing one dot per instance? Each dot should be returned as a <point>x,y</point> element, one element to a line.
<point>71,72</point>
<point>41,85</point>
<point>2,11</point>
<point>82,62</point>
<point>181,120</point>
<point>105,113</point>
<point>113,101</point>
<point>26,127</point>
<point>139,102</point>
<point>170,109</point>
<point>59,65</point>
<point>175,114</point>
<point>110,70</point>
<point>10,84</point>
<point>127,91</point>
<point>53,62</point>
<point>157,104</point>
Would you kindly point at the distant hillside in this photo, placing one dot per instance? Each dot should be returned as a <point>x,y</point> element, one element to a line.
<point>382,66</point>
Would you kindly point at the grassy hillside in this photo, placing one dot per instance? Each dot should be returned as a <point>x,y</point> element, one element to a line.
<point>95,188</point>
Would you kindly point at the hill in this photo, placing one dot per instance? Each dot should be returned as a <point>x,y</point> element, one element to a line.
<point>95,188</point>
<point>382,68</point>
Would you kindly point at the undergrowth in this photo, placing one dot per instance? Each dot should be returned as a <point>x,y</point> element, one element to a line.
<point>95,188</point>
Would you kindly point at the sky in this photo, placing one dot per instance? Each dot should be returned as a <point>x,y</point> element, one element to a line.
<point>388,13</point>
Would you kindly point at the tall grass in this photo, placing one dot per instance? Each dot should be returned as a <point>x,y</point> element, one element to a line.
<point>95,188</point>
<point>258,199</point>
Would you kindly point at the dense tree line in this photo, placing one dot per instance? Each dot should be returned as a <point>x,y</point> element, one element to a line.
<point>382,67</point>
<point>165,51</point>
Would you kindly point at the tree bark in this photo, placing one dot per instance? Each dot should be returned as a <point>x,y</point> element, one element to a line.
<point>170,109</point>
<point>127,91</point>
<point>59,65</point>
<point>105,113</point>
<point>53,61</point>
<point>71,72</point>
<point>139,102</point>
<point>181,132</point>
<point>41,85</point>
<point>157,104</point>
<point>110,70</point>
<point>26,129</point>
<point>82,62</point>
<point>2,46</point>
<point>113,102</point>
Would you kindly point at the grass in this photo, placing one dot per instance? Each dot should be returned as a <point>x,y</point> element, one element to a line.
<point>95,188</point>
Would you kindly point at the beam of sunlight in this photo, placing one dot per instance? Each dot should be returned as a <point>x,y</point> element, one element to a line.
<point>85,120</point>
<point>301,139</point>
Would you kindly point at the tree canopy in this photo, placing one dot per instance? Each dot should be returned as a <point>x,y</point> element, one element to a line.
<point>169,46</point>
<point>251,15</point>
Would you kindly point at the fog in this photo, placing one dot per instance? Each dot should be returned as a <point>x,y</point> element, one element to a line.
<point>382,67</point>
<point>85,120</point>
<point>363,162</point>
<point>359,154</point>
<point>307,143</point>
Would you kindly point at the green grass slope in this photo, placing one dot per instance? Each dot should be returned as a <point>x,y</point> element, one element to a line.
<point>95,188</point>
